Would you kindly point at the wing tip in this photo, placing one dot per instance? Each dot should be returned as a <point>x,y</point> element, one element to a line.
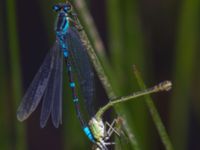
<point>56,123</point>
<point>43,122</point>
<point>42,125</point>
<point>20,117</point>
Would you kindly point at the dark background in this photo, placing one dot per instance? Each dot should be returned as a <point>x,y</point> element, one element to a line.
<point>160,37</point>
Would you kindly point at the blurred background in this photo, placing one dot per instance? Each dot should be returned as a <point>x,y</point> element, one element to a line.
<point>160,37</point>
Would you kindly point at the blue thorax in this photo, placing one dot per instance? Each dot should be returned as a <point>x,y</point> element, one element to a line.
<point>62,24</point>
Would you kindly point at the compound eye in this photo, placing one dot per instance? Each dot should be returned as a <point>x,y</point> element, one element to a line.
<point>67,8</point>
<point>56,8</point>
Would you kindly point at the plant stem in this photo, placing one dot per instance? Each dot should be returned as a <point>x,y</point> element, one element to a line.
<point>154,113</point>
<point>163,86</point>
<point>94,59</point>
<point>89,22</point>
<point>13,46</point>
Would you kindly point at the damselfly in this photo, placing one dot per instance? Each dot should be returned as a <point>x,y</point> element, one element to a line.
<point>47,84</point>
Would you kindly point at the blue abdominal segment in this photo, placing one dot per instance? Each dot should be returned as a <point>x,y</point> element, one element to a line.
<point>65,54</point>
<point>72,85</point>
<point>88,133</point>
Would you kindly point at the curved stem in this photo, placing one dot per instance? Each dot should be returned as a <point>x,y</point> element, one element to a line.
<point>163,86</point>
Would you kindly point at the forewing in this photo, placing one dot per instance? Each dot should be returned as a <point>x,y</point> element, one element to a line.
<point>37,88</point>
<point>53,93</point>
<point>56,113</point>
<point>82,65</point>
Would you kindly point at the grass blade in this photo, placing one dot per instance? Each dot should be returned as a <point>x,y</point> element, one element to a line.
<point>185,60</point>
<point>155,115</point>
<point>13,46</point>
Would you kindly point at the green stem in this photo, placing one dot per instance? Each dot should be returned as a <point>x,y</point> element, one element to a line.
<point>89,22</point>
<point>186,57</point>
<point>13,46</point>
<point>155,115</point>
<point>163,86</point>
<point>97,64</point>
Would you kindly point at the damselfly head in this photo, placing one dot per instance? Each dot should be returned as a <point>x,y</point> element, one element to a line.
<point>65,7</point>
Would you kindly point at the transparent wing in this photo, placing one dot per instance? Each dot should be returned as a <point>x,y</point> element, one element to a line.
<point>53,95</point>
<point>81,62</point>
<point>56,113</point>
<point>37,88</point>
<point>47,100</point>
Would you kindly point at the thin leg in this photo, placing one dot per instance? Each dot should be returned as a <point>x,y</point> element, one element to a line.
<point>111,129</point>
<point>102,146</point>
<point>110,143</point>
<point>75,22</point>
<point>111,125</point>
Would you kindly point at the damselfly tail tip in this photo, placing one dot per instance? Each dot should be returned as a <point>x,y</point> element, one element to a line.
<point>165,86</point>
